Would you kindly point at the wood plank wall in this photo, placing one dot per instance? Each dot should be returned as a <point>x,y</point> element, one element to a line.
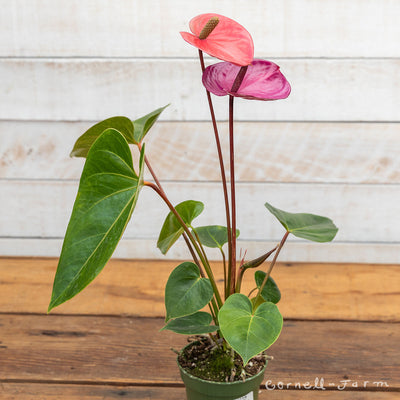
<point>332,148</point>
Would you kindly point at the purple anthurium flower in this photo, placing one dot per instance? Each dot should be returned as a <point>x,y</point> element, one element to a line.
<point>262,81</point>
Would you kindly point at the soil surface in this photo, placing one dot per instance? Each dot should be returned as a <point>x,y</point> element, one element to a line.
<point>208,360</point>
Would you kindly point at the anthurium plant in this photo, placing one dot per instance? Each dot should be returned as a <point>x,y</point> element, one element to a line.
<point>110,186</point>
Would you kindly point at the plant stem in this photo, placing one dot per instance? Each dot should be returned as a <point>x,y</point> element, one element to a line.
<point>251,264</point>
<point>193,254</point>
<point>221,166</point>
<point>206,265</point>
<point>232,267</point>
<point>224,264</point>
<point>271,266</point>
<point>200,245</point>
<point>158,183</point>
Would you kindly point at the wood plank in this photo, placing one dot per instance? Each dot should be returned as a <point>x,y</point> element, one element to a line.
<point>309,291</point>
<point>145,249</point>
<point>33,391</point>
<point>129,351</point>
<point>76,89</point>
<point>354,208</point>
<point>297,152</point>
<point>294,29</point>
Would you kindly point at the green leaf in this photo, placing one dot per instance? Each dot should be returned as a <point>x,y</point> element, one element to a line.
<point>213,235</point>
<point>143,125</point>
<point>186,291</point>
<point>270,291</point>
<point>247,331</point>
<point>307,226</point>
<point>121,124</point>
<point>107,195</point>
<point>172,229</point>
<point>195,324</point>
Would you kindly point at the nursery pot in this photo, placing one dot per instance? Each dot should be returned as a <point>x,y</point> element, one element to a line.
<point>200,389</point>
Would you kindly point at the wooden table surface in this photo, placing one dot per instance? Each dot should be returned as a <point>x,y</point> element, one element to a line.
<point>341,336</point>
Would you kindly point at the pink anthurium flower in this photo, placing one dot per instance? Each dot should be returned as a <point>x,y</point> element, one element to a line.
<point>228,40</point>
<point>263,81</point>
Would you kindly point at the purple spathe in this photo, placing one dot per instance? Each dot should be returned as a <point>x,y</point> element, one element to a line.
<point>263,81</point>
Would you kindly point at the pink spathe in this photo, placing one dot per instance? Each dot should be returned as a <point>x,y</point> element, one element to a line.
<point>263,81</point>
<point>229,41</point>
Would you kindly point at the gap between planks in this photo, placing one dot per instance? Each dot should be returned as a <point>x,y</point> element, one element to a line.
<point>132,351</point>
<point>51,391</point>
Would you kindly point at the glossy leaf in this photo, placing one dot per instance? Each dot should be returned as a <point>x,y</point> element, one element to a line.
<point>213,235</point>
<point>307,226</point>
<point>270,291</point>
<point>172,229</point>
<point>195,324</point>
<point>247,331</point>
<point>107,195</point>
<point>143,124</point>
<point>121,124</point>
<point>186,291</point>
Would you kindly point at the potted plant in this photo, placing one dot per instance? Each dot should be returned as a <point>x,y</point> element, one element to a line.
<point>228,360</point>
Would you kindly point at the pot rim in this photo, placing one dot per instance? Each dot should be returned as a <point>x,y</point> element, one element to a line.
<point>187,374</point>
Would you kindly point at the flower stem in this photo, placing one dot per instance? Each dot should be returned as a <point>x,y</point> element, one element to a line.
<point>224,265</point>
<point>239,79</point>
<point>232,267</point>
<point>222,169</point>
<point>271,266</point>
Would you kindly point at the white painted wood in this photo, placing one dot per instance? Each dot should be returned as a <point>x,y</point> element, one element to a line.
<point>133,28</point>
<point>91,59</point>
<point>73,89</point>
<point>273,152</point>
<point>376,253</point>
<point>363,213</point>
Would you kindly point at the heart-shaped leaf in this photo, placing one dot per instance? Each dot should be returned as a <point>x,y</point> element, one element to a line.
<point>107,195</point>
<point>172,229</point>
<point>84,143</point>
<point>247,331</point>
<point>213,235</point>
<point>307,226</point>
<point>143,124</point>
<point>270,291</point>
<point>195,324</point>
<point>186,291</point>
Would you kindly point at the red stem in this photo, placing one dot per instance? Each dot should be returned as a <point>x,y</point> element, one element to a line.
<point>222,169</point>
<point>233,198</point>
<point>158,183</point>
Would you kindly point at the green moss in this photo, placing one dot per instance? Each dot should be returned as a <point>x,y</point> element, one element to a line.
<point>219,363</point>
<point>216,367</point>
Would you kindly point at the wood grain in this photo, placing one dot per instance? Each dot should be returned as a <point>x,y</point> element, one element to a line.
<point>297,152</point>
<point>71,89</point>
<point>36,391</point>
<point>131,351</point>
<point>129,287</point>
<point>332,28</point>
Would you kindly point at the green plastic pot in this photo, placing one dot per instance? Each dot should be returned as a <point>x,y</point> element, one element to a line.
<point>200,389</point>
